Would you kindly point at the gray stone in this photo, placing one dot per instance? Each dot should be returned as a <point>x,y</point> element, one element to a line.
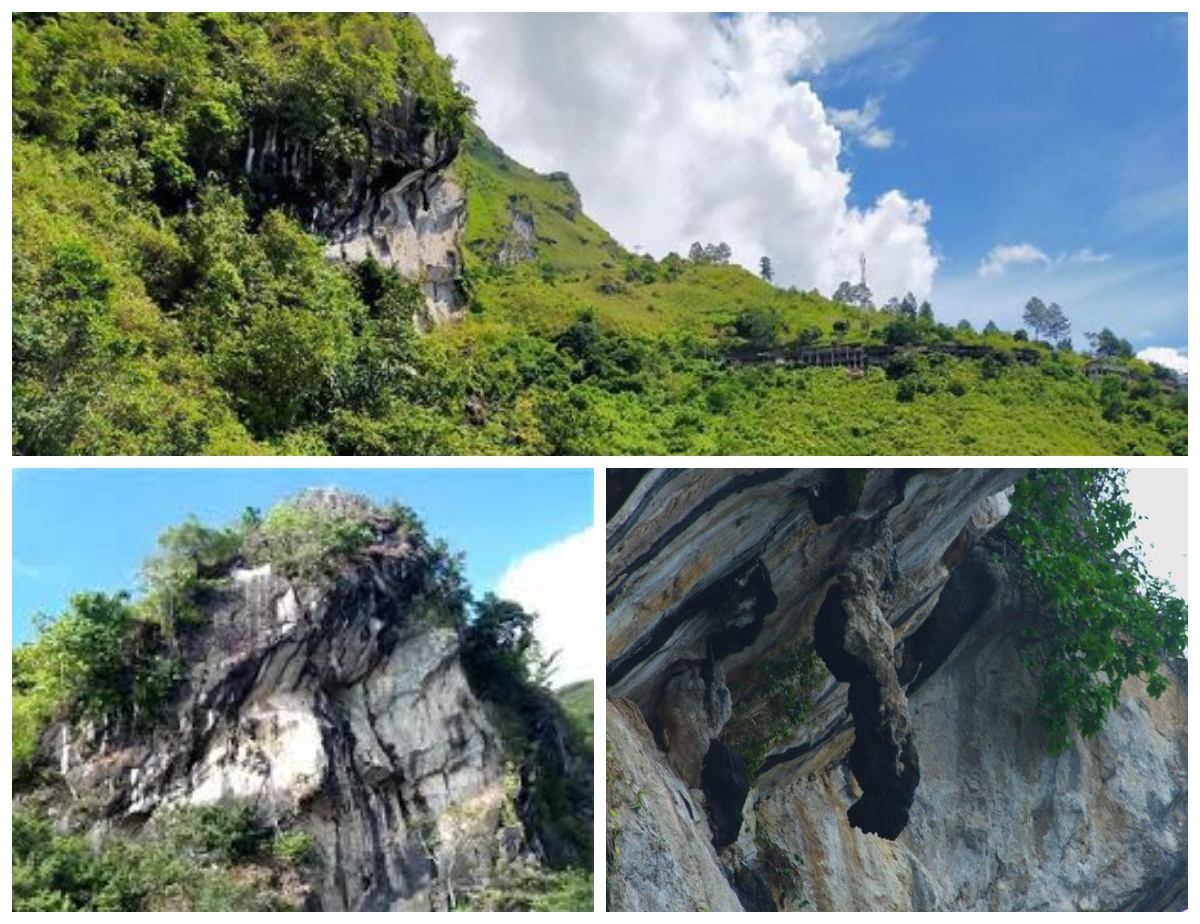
<point>332,704</point>
<point>926,625</point>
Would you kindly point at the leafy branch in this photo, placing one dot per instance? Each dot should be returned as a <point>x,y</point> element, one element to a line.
<point>1095,614</point>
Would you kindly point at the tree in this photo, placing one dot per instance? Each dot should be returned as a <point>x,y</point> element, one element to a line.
<point>1107,344</point>
<point>1058,327</point>
<point>1048,321</point>
<point>499,647</point>
<point>715,254</point>
<point>1112,398</point>
<point>1095,616</point>
<point>186,554</point>
<point>765,270</point>
<point>1035,314</point>
<point>991,328</point>
<point>857,296</point>
<point>759,327</point>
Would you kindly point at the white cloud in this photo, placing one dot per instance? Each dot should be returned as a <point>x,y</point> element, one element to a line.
<point>680,127</point>
<point>997,262</point>
<point>1000,258</point>
<point>863,125</point>
<point>868,47</point>
<point>1166,356</point>
<point>563,584</point>
<point>1085,257</point>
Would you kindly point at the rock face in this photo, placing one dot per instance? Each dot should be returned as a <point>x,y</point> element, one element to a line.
<point>414,227</point>
<point>520,244</point>
<point>393,201</point>
<point>919,779</point>
<point>340,704</point>
<point>659,832</point>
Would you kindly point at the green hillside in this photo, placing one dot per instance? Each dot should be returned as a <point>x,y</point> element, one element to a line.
<point>648,341</point>
<point>578,701</point>
<point>162,304</point>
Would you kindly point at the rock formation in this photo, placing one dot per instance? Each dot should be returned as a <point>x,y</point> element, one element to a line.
<point>918,777</point>
<point>340,704</point>
<point>393,201</point>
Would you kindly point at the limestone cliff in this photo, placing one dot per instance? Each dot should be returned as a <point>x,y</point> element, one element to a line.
<point>337,704</point>
<point>917,777</point>
<point>392,200</point>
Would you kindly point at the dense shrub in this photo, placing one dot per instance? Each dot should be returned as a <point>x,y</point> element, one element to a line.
<point>100,657</point>
<point>782,701</point>
<point>215,858</point>
<point>308,541</point>
<point>759,327</point>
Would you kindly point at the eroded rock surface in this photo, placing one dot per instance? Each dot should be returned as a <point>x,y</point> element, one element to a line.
<point>657,861</point>
<point>393,202</point>
<point>340,704</point>
<point>415,229</point>
<point>895,581</point>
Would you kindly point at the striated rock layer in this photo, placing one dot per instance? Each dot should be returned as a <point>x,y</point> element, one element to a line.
<point>920,779</point>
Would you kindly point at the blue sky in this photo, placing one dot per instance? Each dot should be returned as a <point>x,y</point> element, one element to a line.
<point>977,159</point>
<point>89,529</point>
<point>1067,133</point>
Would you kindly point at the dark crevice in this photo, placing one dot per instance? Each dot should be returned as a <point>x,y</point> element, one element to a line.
<point>619,484</point>
<point>756,591</point>
<point>967,593</point>
<point>725,786</point>
<point>745,592</point>
<point>752,890</point>
<point>837,494</point>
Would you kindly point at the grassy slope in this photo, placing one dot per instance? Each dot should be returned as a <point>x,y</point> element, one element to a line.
<point>690,405</point>
<point>578,701</point>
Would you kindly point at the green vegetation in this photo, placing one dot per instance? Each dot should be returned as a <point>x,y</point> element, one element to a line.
<point>616,784</point>
<point>215,858</point>
<point>781,701</point>
<point>101,657</point>
<point>167,300</point>
<point>1094,616</point>
<point>781,868</point>
<point>530,887</point>
<point>579,705</point>
<point>306,541</point>
<point>547,746</point>
<point>116,660</point>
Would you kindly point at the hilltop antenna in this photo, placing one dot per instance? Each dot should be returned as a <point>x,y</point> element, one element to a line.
<point>862,263</point>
